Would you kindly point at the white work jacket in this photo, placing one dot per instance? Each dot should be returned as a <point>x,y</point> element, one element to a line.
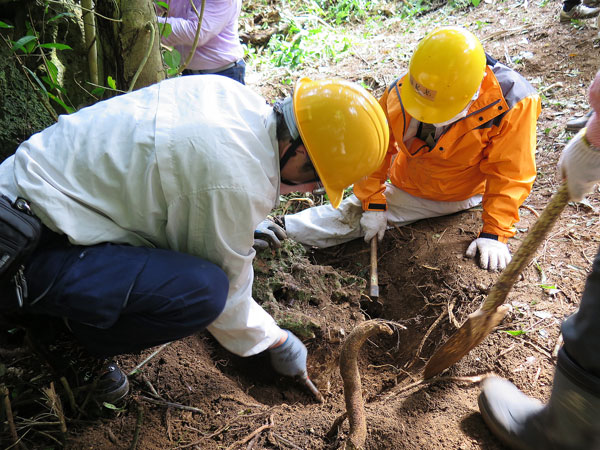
<point>189,164</point>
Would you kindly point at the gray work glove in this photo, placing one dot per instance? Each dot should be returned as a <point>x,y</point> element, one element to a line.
<point>493,254</point>
<point>268,234</point>
<point>289,358</point>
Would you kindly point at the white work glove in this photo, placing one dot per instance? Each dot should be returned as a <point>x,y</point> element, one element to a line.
<point>289,358</point>
<point>268,234</point>
<point>373,223</point>
<point>493,254</point>
<point>579,162</point>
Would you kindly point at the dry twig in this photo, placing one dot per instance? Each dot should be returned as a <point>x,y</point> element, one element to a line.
<point>259,430</point>
<point>277,438</point>
<point>9,416</point>
<point>145,361</point>
<point>427,382</point>
<point>55,406</point>
<point>337,423</point>
<point>536,347</point>
<point>240,401</point>
<point>70,396</point>
<point>533,211</point>
<point>429,330</point>
<point>138,426</point>
<point>172,405</point>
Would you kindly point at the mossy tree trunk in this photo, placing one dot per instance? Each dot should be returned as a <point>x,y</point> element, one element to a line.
<point>127,39</point>
<point>130,43</point>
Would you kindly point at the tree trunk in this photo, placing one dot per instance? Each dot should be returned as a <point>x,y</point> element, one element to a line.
<point>131,44</point>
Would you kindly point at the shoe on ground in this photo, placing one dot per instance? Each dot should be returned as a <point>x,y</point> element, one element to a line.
<point>513,417</point>
<point>112,385</point>
<point>577,123</point>
<point>578,12</point>
<point>569,421</point>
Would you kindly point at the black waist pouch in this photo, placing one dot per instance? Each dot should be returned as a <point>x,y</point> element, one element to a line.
<point>20,232</point>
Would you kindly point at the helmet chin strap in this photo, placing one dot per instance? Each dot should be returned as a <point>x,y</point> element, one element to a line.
<point>461,114</point>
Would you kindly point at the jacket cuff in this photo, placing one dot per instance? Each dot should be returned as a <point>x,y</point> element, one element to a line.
<point>376,207</point>
<point>503,239</point>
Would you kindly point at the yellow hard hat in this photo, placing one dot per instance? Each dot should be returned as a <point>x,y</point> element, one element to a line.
<point>444,74</point>
<point>344,130</point>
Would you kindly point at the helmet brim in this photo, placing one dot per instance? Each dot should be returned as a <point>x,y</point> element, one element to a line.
<point>424,110</point>
<point>343,129</point>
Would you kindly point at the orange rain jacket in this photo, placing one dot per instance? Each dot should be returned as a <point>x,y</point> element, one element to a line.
<point>491,152</point>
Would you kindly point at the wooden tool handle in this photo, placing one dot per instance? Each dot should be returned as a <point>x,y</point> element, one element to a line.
<point>527,249</point>
<point>374,288</point>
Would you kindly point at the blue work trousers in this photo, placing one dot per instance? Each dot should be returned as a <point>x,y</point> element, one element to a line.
<point>119,298</point>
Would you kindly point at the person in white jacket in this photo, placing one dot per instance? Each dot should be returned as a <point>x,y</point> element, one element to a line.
<point>571,418</point>
<point>151,199</point>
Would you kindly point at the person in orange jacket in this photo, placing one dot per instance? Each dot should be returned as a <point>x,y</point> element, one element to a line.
<point>462,133</point>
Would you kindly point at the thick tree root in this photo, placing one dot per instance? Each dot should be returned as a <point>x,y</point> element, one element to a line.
<point>352,385</point>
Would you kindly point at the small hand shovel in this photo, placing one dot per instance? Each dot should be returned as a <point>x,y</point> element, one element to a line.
<point>491,312</point>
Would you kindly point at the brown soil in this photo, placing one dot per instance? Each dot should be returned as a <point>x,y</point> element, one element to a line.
<point>427,288</point>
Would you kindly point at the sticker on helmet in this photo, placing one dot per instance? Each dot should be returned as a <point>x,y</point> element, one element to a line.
<point>424,92</point>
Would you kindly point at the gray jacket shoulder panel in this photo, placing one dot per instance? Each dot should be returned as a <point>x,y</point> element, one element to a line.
<point>514,87</point>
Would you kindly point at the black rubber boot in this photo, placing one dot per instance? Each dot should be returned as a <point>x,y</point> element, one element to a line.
<point>112,385</point>
<point>570,420</point>
<point>577,123</point>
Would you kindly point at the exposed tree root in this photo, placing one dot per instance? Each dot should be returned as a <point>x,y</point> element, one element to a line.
<point>352,385</point>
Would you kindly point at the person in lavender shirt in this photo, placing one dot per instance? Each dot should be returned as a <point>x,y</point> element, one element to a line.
<point>219,50</point>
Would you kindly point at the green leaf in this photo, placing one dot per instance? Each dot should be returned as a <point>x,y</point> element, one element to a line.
<point>514,332</point>
<point>98,92</point>
<point>5,25</point>
<point>37,80</point>
<point>113,407</point>
<point>67,108</point>
<point>56,45</point>
<point>22,43</point>
<point>162,5</point>
<point>111,82</point>
<point>165,29</point>
<point>548,286</point>
<point>172,59</point>
<point>49,82</point>
<point>52,71</point>
<point>475,2</point>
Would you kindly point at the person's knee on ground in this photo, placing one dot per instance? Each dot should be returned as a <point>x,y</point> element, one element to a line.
<point>199,304</point>
<point>570,420</point>
<point>165,304</point>
<point>212,286</point>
